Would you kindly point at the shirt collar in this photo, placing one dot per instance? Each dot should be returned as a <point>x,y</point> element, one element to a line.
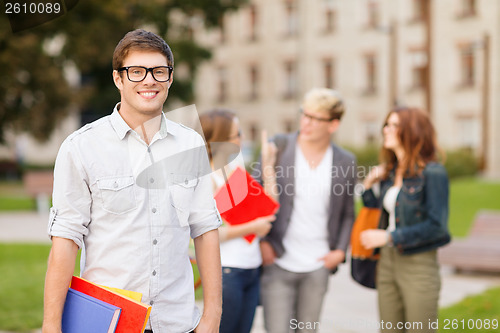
<point>122,128</point>
<point>119,125</point>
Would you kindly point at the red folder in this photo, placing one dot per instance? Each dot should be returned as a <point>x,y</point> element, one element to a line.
<point>134,315</point>
<point>242,199</point>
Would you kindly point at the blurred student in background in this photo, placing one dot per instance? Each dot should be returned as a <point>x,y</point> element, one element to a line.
<point>413,224</point>
<point>240,259</point>
<point>309,239</point>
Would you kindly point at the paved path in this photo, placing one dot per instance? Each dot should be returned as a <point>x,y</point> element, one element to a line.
<point>24,227</point>
<point>348,307</point>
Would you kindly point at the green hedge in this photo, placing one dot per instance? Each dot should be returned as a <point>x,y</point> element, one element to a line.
<point>461,163</point>
<point>458,163</point>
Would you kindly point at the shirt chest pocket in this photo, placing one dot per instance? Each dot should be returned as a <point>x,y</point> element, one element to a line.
<point>181,194</point>
<point>413,193</point>
<point>117,194</point>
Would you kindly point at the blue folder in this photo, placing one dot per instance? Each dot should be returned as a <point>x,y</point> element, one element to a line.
<point>86,314</point>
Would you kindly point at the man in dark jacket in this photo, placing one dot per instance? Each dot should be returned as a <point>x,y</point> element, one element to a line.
<point>309,239</point>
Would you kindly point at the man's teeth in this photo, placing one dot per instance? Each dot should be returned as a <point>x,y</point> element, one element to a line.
<point>148,94</point>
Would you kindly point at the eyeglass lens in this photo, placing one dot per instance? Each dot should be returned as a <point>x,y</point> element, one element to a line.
<point>311,117</point>
<point>137,73</point>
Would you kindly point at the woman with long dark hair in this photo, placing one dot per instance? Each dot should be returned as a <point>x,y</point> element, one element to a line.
<point>413,196</point>
<point>240,259</point>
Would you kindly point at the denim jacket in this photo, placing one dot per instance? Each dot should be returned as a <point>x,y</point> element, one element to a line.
<point>421,209</point>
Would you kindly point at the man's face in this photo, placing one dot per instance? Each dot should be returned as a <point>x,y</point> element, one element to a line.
<point>316,125</point>
<point>147,96</point>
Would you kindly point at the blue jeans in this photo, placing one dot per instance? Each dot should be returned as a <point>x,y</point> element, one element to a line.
<point>240,297</point>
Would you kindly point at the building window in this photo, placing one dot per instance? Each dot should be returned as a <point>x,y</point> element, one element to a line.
<point>373,14</point>
<point>222,85</point>
<point>468,8</point>
<point>330,20</point>
<point>468,128</point>
<point>291,18</point>
<point>329,73</point>
<point>371,74</point>
<point>290,79</point>
<point>253,22</point>
<point>372,130</point>
<point>419,9</point>
<point>254,82</point>
<point>222,30</point>
<point>418,63</point>
<point>467,66</point>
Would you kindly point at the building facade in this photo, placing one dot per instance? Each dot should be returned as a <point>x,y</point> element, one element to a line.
<point>443,56</point>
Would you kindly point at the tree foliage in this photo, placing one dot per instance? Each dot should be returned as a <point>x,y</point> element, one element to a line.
<point>33,88</point>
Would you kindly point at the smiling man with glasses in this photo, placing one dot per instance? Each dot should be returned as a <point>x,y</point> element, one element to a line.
<point>310,235</point>
<point>135,232</point>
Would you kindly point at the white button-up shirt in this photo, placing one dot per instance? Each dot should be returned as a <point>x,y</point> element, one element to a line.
<point>132,209</point>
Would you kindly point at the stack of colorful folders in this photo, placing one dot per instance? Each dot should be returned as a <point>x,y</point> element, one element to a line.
<point>93,308</point>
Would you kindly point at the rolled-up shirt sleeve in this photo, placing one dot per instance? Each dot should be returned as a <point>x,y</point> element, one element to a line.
<point>204,215</point>
<point>71,199</point>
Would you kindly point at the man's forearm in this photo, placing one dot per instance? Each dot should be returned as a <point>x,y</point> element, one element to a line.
<point>60,269</point>
<point>208,259</point>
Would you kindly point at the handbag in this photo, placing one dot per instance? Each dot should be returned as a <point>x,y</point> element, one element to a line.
<point>363,260</point>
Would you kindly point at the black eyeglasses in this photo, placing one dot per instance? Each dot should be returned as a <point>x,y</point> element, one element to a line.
<point>311,117</point>
<point>139,73</point>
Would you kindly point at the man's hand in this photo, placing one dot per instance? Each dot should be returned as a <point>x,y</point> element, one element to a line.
<point>268,254</point>
<point>60,269</point>
<point>51,328</point>
<point>208,258</point>
<point>208,325</point>
<point>333,259</point>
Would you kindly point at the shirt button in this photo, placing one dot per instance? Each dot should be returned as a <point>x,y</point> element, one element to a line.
<point>115,184</point>
<point>154,273</point>
<point>186,181</point>
<point>153,210</point>
<point>151,180</point>
<point>151,302</point>
<point>155,242</point>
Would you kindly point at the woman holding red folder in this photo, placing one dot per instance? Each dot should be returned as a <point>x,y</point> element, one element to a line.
<point>241,260</point>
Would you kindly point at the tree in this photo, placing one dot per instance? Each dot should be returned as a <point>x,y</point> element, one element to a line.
<point>33,87</point>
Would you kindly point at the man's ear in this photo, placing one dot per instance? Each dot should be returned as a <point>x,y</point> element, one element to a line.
<point>169,82</point>
<point>117,79</point>
<point>333,126</point>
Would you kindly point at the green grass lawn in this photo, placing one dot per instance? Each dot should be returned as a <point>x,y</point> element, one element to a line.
<point>22,266</point>
<point>22,275</point>
<point>467,197</point>
<point>14,198</point>
<point>470,313</point>
<point>17,204</point>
